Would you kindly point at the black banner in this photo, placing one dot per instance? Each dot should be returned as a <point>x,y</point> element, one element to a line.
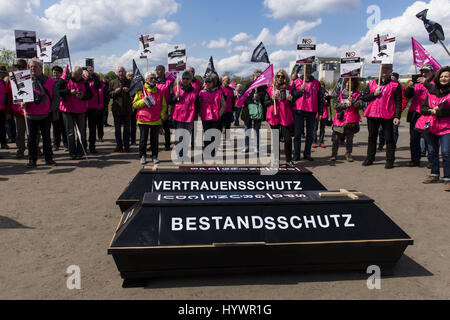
<point>60,50</point>
<point>260,54</point>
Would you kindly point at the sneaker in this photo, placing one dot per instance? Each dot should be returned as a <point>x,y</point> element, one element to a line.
<point>431,179</point>
<point>367,163</point>
<point>143,160</point>
<point>118,149</point>
<point>413,164</point>
<point>314,145</point>
<point>322,145</point>
<point>290,164</point>
<point>447,186</point>
<point>296,158</point>
<point>309,158</point>
<point>56,148</point>
<point>333,159</point>
<point>127,150</point>
<point>5,146</point>
<point>380,148</point>
<point>349,157</point>
<point>155,160</point>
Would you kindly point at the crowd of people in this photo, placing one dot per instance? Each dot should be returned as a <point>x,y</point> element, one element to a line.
<point>298,106</point>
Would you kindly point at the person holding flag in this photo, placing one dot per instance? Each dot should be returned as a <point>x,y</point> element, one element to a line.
<point>281,98</point>
<point>254,112</point>
<point>308,99</point>
<point>417,90</point>
<point>384,108</point>
<point>75,93</point>
<point>152,108</point>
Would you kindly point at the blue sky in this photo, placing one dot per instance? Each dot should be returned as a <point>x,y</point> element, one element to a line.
<point>109,29</point>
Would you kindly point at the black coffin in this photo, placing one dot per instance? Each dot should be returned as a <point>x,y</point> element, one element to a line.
<point>190,233</point>
<point>145,180</point>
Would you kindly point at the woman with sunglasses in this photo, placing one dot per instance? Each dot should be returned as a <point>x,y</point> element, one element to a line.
<point>281,111</point>
<point>346,118</point>
<point>436,124</point>
<point>151,105</point>
<point>211,105</point>
<point>183,102</point>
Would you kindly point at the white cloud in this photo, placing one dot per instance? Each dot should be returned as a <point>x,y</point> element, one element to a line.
<point>101,21</point>
<point>241,37</point>
<point>307,9</point>
<point>164,30</point>
<point>222,43</point>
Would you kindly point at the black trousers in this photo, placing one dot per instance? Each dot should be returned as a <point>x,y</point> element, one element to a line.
<point>133,127</point>
<point>287,133</point>
<point>34,126</point>
<point>207,125</point>
<point>154,139</point>
<point>225,121</point>
<point>166,127</point>
<point>320,125</point>
<point>388,127</point>
<point>95,121</point>
<point>2,127</point>
<point>59,131</point>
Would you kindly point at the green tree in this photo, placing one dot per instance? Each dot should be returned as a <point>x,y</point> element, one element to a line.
<point>7,57</point>
<point>112,75</point>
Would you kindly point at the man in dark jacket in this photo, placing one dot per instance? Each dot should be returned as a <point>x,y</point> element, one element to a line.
<point>119,90</point>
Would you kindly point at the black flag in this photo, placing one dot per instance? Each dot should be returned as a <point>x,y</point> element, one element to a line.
<point>260,54</point>
<point>137,82</point>
<point>60,50</point>
<point>210,68</point>
<point>435,31</point>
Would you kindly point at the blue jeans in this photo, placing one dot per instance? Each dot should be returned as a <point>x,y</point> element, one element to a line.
<point>299,117</point>
<point>433,150</point>
<point>414,142</point>
<point>124,121</point>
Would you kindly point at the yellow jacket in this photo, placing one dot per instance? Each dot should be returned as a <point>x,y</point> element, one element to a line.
<point>139,103</point>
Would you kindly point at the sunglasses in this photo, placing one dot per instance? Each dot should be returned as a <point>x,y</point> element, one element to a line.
<point>280,76</point>
<point>151,79</point>
<point>186,79</point>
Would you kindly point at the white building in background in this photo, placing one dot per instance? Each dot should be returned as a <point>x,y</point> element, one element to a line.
<point>327,69</point>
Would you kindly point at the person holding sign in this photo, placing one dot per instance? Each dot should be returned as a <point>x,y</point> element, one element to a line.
<point>417,90</point>
<point>75,93</point>
<point>385,108</point>
<point>436,113</point>
<point>183,102</point>
<point>3,108</point>
<point>282,96</point>
<point>38,114</point>
<point>346,117</point>
<point>308,99</point>
<point>152,106</point>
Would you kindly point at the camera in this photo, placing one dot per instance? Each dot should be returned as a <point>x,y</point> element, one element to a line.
<point>415,78</point>
<point>427,126</point>
<point>37,99</point>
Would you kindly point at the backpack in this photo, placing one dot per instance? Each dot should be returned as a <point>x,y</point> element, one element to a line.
<point>255,111</point>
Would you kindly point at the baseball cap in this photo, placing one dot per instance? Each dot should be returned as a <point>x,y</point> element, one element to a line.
<point>427,67</point>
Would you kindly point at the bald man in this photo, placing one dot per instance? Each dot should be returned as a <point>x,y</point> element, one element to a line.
<point>122,109</point>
